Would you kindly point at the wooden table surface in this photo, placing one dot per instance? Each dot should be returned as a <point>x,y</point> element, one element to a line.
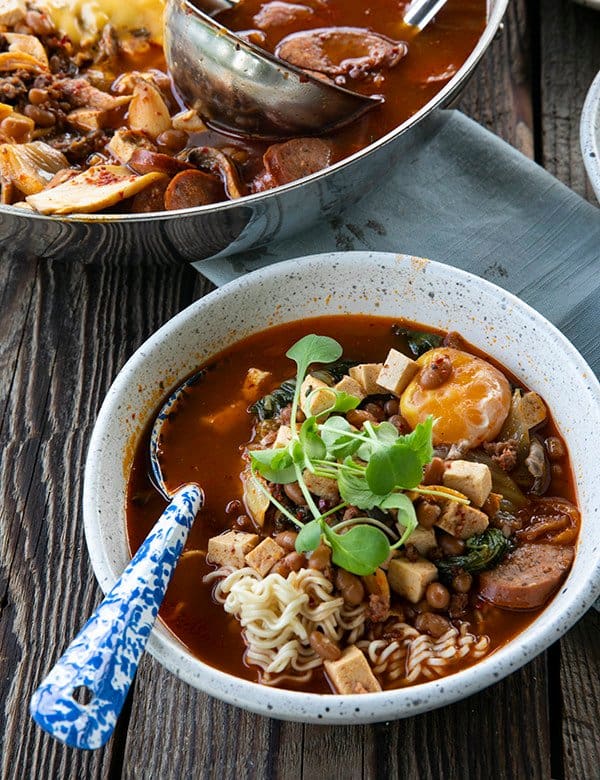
<point>67,329</point>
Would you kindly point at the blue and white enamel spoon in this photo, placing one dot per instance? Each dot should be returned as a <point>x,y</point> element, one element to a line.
<point>80,700</point>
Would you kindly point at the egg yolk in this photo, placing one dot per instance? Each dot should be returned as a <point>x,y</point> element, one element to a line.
<point>468,407</point>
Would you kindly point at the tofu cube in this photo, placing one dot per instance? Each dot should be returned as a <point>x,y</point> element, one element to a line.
<point>351,673</point>
<point>264,556</point>
<point>321,486</point>
<point>255,500</point>
<point>462,521</point>
<point>366,374</point>
<point>474,480</point>
<point>411,578</point>
<point>284,436</point>
<point>422,538</point>
<point>253,381</point>
<point>351,386</point>
<point>230,549</point>
<point>397,372</point>
<point>323,398</point>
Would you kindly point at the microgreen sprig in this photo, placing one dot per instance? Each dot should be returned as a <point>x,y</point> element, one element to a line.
<point>372,469</point>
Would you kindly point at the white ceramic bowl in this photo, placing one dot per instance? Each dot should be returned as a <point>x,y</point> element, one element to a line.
<point>589,132</point>
<point>355,282</point>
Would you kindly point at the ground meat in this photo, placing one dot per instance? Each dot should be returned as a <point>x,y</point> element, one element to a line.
<point>458,605</point>
<point>378,608</point>
<point>504,453</point>
<point>15,86</point>
<point>341,51</point>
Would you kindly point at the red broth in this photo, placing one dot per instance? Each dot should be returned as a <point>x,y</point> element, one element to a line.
<point>204,444</point>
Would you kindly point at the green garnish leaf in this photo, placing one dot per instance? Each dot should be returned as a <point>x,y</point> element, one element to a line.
<point>407,517</point>
<point>360,550</point>
<point>334,432</point>
<point>309,537</point>
<point>395,466</point>
<point>313,349</point>
<point>312,445</point>
<point>420,440</point>
<point>274,465</point>
<point>344,402</point>
<point>355,490</point>
<point>384,434</point>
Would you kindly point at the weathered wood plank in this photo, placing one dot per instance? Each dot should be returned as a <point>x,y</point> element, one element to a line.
<point>487,735</point>
<point>73,328</point>
<point>570,46</point>
<point>499,94</point>
<point>580,689</point>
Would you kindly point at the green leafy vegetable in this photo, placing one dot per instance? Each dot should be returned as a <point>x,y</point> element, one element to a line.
<point>275,465</point>
<point>418,341</point>
<point>371,468</point>
<point>270,405</point>
<point>486,550</point>
<point>360,550</point>
<point>309,537</point>
<point>313,349</point>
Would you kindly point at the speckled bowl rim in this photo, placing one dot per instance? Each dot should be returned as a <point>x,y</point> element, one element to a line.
<point>589,133</point>
<point>568,606</point>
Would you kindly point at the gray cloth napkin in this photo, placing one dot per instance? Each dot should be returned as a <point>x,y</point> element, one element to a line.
<point>470,200</point>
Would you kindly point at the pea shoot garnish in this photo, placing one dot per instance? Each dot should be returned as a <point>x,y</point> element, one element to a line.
<point>372,468</point>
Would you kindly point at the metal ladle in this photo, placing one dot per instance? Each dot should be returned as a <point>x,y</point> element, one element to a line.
<point>239,88</point>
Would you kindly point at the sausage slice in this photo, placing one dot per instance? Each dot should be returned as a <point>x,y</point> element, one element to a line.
<point>294,159</point>
<point>527,577</point>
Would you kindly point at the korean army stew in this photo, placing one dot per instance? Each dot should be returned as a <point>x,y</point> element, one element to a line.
<point>384,506</point>
<point>91,122</point>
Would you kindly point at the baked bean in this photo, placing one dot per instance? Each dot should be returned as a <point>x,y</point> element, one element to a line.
<point>555,448</point>
<point>350,587</point>
<point>462,582</point>
<point>37,96</point>
<point>17,128</point>
<point>233,506</point>
<point>287,540</point>
<point>174,140</point>
<point>434,472</point>
<point>358,417</point>
<point>245,523</point>
<point>391,407</point>
<point>437,595</point>
<point>399,423</point>
<point>320,558</point>
<point>427,513</point>
<point>40,116</point>
<point>432,624</point>
<point>293,492</point>
<point>450,544</point>
<point>376,410</point>
<point>436,373</point>
<point>291,562</point>
<point>324,646</point>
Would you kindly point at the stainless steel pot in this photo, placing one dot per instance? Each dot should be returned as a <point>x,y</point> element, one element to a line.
<point>232,226</point>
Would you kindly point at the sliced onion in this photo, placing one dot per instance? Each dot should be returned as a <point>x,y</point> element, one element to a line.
<point>30,166</point>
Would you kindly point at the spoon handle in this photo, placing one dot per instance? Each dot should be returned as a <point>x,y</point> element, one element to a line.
<point>103,658</point>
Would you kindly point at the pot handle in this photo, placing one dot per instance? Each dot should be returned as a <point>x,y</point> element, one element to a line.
<point>79,701</point>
